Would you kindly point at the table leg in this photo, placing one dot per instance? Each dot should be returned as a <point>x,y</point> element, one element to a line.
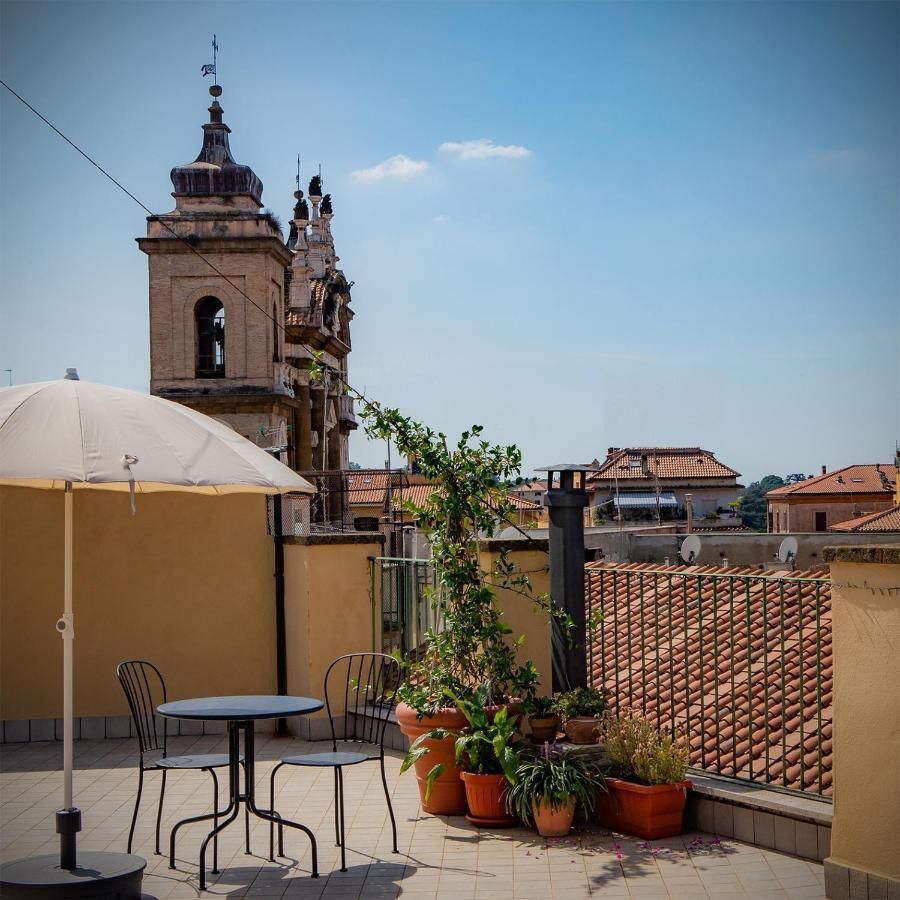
<point>270,815</point>
<point>234,794</point>
<point>233,800</point>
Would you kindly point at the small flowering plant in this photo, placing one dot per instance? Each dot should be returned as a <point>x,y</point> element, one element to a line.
<point>638,751</point>
<point>555,776</point>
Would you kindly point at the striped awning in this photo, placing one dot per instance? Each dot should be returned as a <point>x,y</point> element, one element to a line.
<point>645,500</point>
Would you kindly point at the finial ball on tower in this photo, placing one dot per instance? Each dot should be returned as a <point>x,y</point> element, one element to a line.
<point>215,90</point>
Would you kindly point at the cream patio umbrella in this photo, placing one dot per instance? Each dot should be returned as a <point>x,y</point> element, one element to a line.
<point>72,435</point>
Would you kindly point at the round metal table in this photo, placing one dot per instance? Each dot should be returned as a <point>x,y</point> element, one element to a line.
<point>240,713</point>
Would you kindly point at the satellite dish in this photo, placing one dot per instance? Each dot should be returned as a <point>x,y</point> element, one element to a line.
<point>690,548</point>
<point>787,550</point>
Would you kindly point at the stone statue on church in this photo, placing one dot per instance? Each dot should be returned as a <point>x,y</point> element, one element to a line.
<point>332,305</point>
<point>315,186</point>
<point>326,205</point>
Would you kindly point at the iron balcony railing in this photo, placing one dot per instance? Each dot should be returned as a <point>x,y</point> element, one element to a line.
<point>739,663</point>
<point>403,594</point>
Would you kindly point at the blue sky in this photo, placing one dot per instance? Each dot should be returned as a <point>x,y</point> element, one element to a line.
<point>661,224</point>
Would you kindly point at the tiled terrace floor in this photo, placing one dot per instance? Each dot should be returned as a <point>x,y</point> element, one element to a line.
<point>439,858</point>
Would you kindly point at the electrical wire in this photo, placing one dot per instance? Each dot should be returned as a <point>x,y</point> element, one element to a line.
<point>146,209</point>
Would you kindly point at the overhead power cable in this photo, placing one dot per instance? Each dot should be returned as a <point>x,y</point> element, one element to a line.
<point>144,207</point>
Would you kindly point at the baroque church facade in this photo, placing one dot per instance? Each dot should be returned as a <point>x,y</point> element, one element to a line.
<point>236,312</point>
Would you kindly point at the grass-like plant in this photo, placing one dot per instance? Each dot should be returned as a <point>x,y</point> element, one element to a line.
<point>638,751</point>
<point>554,775</point>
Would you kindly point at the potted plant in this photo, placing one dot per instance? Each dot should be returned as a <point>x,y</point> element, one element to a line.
<point>581,710</point>
<point>486,752</point>
<point>550,783</point>
<point>648,796</point>
<point>543,720</point>
<point>474,646</point>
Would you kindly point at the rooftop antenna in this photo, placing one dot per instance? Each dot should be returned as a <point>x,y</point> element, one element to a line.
<point>298,172</point>
<point>9,374</point>
<point>690,549</point>
<point>787,551</point>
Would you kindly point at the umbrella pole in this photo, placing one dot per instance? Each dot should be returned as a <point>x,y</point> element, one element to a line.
<point>68,819</point>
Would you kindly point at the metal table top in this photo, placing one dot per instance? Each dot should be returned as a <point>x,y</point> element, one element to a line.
<point>241,707</point>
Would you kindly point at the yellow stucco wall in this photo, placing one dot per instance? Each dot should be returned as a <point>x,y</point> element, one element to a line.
<point>186,583</point>
<point>520,614</point>
<point>866,639</point>
<point>328,611</point>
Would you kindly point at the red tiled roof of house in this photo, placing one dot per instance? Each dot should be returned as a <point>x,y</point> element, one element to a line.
<point>746,695</point>
<point>419,493</point>
<point>872,478</point>
<point>528,487</point>
<point>877,522</point>
<point>662,462</point>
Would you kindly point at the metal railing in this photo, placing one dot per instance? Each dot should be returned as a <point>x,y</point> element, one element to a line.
<point>739,663</point>
<point>403,594</point>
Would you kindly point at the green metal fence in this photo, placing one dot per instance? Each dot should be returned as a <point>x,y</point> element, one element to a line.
<point>402,595</point>
<point>739,663</point>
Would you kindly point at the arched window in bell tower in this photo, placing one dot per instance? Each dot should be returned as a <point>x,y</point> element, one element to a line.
<point>209,315</point>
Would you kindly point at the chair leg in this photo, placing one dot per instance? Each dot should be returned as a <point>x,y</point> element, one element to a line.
<point>246,812</point>
<point>137,804</point>
<point>162,794</point>
<point>337,832</point>
<point>387,796</point>
<point>340,775</point>
<point>215,865</point>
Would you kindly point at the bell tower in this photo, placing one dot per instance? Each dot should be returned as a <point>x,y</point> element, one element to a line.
<point>217,265</point>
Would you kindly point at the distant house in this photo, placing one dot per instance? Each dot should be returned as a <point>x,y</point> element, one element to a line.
<point>530,490</point>
<point>832,498</point>
<point>638,482</point>
<point>874,523</point>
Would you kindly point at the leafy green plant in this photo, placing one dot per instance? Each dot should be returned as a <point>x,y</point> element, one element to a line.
<point>638,751</point>
<point>485,747</point>
<point>470,501</point>
<point>581,702</point>
<point>539,706</point>
<point>554,775</point>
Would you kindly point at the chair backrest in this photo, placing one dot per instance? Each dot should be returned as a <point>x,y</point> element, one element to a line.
<point>363,681</point>
<point>145,689</point>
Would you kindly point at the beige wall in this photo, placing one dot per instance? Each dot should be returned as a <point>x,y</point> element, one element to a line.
<point>186,583</point>
<point>866,639</point>
<point>800,515</point>
<point>520,614</point>
<point>328,610</point>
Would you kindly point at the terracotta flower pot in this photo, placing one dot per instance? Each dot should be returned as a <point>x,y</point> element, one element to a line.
<point>486,798</point>
<point>646,811</point>
<point>448,796</point>
<point>543,728</point>
<point>553,821</point>
<point>583,729</point>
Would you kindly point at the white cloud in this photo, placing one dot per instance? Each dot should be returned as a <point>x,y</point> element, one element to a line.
<point>440,219</point>
<point>398,166</point>
<point>484,149</point>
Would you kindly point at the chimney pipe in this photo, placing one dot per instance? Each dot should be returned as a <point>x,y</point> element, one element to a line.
<point>645,464</point>
<point>824,470</point>
<point>689,508</point>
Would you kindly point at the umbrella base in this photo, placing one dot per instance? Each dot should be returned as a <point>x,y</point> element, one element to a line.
<point>98,876</point>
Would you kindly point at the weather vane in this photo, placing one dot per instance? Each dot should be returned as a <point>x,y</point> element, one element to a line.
<point>298,171</point>
<point>210,69</point>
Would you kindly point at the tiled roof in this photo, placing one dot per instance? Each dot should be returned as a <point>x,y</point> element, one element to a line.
<point>662,462</point>
<point>419,493</point>
<point>528,487</point>
<point>733,689</point>
<point>367,487</point>
<point>886,520</point>
<point>865,479</point>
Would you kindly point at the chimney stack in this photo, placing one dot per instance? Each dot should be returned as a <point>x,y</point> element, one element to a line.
<point>689,508</point>
<point>645,464</point>
<point>824,470</point>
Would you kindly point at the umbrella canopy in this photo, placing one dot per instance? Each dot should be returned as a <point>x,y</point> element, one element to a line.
<point>96,436</point>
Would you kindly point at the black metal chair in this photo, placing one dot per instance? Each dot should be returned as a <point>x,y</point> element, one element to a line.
<point>145,689</point>
<point>369,683</point>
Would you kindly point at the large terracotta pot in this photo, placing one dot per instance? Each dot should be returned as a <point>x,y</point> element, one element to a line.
<point>448,796</point>
<point>583,729</point>
<point>646,811</point>
<point>553,821</point>
<point>486,798</point>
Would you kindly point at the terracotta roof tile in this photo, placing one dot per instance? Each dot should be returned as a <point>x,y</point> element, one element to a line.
<point>878,478</point>
<point>662,462</point>
<point>737,672</point>
<point>886,520</point>
<point>419,493</point>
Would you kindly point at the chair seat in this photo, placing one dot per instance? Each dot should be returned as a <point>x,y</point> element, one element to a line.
<point>340,758</point>
<point>194,761</point>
